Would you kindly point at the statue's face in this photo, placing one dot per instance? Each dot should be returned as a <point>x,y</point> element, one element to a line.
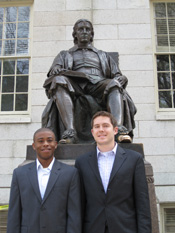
<point>83,33</point>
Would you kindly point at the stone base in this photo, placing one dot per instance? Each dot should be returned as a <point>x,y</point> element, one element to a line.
<point>152,197</point>
<point>72,151</point>
<point>68,154</point>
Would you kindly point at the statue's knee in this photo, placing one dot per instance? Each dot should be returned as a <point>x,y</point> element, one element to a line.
<point>60,87</point>
<point>115,92</point>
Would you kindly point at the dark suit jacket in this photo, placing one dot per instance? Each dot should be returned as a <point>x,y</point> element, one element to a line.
<point>125,206</point>
<point>58,212</point>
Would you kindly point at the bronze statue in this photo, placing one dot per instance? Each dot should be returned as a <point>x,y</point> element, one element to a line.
<point>82,81</point>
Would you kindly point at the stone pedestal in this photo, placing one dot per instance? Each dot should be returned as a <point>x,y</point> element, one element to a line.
<point>68,154</point>
<point>152,196</point>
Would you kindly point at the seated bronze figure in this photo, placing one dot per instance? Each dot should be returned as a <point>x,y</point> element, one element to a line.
<point>82,81</point>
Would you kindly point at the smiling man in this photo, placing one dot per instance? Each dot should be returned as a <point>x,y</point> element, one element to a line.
<point>114,186</point>
<point>45,194</point>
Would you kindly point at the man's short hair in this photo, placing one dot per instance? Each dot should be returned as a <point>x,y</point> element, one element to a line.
<point>42,130</point>
<point>75,27</point>
<point>105,114</point>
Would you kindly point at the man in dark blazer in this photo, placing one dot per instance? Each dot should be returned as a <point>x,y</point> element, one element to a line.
<point>45,194</point>
<point>114,186</point>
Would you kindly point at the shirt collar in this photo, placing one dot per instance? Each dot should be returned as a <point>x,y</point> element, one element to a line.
<point>39,165</point>
<point>75,48</point>
<point>114,150</point>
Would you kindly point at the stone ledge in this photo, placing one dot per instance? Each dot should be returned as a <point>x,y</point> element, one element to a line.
<point>72,151</point>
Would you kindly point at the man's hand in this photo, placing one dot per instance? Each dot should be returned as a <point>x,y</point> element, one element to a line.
<point>123,81</point>
<point>56,70</point>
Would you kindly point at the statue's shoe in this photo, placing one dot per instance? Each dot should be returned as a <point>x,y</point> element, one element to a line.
<point>123,135</point>
<point>124,139</point>
<point>69,137</point>
<point>67,141</point>
<point>122,130</point>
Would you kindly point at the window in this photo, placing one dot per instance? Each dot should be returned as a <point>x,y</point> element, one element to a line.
<point>3,218</point>
<point>14,59</point>
<point>168,218</point>
<point>164,22</point>
<point>166,80</point>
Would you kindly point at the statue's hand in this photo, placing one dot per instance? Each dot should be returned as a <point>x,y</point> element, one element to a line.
<point>123,81</point>
<point>56,70</point>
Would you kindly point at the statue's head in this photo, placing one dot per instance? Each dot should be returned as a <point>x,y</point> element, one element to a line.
<point>76,26</point>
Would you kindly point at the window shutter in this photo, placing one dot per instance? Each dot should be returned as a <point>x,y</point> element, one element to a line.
<point>169,220</point>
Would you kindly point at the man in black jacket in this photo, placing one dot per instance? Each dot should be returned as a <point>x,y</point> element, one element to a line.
<point>45,194</point>
<point>114,187</point>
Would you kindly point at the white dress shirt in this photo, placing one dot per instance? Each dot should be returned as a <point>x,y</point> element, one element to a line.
<point>105,164</point>
<point>43,175</point>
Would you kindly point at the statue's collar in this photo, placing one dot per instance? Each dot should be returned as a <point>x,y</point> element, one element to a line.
<point>75,48</point>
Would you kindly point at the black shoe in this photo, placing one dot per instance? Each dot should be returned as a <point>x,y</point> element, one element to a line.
<point>69,137</point>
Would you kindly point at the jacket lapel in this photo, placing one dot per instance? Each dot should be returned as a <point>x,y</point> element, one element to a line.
<point>32,174</point>
<point>94,165</point>
<point>119,160</point>
<point>52,179</point>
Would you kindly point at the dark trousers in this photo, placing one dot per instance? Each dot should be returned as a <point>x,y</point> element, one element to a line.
<point>106,229</point>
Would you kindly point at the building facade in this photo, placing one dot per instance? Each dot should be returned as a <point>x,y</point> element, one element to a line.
<point>32,32</point>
